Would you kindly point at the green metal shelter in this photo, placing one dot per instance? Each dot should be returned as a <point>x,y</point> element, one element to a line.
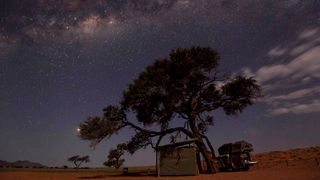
<point>177,159</point>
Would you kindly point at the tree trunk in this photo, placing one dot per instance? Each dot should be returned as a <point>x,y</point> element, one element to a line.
<point>208,156</point>
<point>210,161</point>
<point>77,164</point>
<point>210,146</point>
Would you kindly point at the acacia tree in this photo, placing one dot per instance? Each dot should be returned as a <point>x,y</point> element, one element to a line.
<point>77,160</point>
<point>114,157</point>
<point>184,87</point>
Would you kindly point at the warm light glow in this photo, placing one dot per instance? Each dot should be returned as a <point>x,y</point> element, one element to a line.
<point>78,129</point>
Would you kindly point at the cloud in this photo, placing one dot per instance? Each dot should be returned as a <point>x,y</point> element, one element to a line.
<point>267,73</point>
<point>277,51</point>
<point>292,87</point>
<point>301,93</point>
<point>306,65</point>
<point>308,33</point>
<point>311,107</point>
<point>305,46</point>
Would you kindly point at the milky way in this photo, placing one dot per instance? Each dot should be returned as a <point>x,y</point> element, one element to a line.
<point>64,60</point>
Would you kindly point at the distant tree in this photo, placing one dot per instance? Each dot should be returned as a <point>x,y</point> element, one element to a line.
<point>184,87</point>
<point>77,160</point>
<point>114,157</point>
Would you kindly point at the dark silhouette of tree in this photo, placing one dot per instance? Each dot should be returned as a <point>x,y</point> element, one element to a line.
<point>77,160</point>
<point>114,157</point>
<point>184,87</point>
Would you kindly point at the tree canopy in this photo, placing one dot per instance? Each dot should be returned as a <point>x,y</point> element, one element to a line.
<point>114,157</point>
<point>78,160</point>
<point>184,87</point>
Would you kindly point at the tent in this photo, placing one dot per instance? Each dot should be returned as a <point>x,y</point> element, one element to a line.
<point>177,159</point>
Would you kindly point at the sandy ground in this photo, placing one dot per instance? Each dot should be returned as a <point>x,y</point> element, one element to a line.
<point>294,173</point>
<point>296,164</point>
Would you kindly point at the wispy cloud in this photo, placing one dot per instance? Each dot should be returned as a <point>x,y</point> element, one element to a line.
<point>297,80</point>
<point>309,33</point>
<point>297,108</point>
<point>301,93</point>
<point>277,51</point>
<point>305,65</point>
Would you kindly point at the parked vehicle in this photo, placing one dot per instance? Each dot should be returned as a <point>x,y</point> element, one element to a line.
<point>236,156</point>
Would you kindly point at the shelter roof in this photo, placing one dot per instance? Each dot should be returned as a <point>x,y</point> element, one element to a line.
<point>177,144</point>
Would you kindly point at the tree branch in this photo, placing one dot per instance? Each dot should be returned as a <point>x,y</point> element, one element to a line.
<point>158,133</point>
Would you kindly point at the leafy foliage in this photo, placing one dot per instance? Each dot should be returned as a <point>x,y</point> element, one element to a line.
<point>78,160</point>
<point>165,87</point>
<point>186,87</point>
<point>138,141</point>
<point>114,157</point>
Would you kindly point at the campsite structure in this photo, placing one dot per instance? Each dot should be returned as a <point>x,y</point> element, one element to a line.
<point>183,158</point>
<point>180,158</point>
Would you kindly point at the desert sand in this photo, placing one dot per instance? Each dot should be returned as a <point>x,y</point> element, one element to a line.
<point>294,173</point>
<point>297,164</point>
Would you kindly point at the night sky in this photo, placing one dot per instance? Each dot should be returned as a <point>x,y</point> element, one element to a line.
<point>64,60</point>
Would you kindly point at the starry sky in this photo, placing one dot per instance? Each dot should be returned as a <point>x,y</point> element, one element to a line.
<point>64,60</point>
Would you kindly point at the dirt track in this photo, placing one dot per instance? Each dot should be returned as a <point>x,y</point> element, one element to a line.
<point>294,173</point>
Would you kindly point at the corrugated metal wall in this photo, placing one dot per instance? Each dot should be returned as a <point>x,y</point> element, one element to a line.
<point>180,161</point>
